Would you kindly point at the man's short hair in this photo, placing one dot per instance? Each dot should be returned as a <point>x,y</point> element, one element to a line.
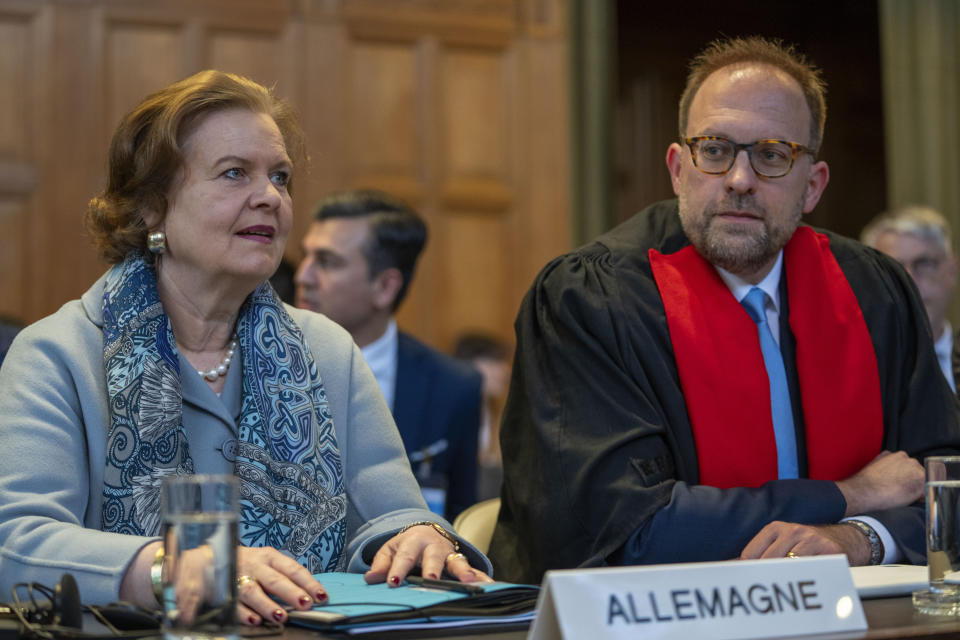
<point>397,233</point>
<point>755,49</point>
<point>918,221</point>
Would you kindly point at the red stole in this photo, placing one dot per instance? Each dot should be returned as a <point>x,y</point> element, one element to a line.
<point>725,382</point>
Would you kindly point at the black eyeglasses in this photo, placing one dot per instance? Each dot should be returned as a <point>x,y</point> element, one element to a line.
<point>924,266</point>
<point>769,158</point>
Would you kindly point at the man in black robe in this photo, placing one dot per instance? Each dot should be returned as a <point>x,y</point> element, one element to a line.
<point>639,424</point>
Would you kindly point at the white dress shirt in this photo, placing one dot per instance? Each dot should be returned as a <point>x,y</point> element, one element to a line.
<point>381,357</point>
<point>770,286</point>
<point>944,347</point>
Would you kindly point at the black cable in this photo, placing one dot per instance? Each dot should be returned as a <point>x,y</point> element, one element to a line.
<point>37,614</point>
<point>19,607</point>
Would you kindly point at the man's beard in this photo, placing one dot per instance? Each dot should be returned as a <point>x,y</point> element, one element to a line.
<point>739,249</point>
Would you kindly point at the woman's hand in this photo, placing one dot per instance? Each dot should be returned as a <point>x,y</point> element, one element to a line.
<point>264,573</point>
<point>193,581</point>
<point>135,586</point>
<point>424,546</point>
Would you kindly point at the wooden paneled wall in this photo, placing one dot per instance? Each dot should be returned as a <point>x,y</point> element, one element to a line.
<point>457,106</point>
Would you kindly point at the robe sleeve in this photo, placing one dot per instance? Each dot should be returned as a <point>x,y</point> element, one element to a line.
<point>702,523</point>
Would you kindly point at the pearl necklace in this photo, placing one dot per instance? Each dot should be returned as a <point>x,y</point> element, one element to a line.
<point>221,369</point>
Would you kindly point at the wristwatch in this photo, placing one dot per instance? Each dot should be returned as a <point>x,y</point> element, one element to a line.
<point>876,544</point>
<point>446,534</point>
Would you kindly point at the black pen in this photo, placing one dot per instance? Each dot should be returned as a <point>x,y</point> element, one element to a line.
<point>446,585</point>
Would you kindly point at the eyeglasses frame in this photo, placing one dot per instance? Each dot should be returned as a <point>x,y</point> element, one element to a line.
<point>795,148</point>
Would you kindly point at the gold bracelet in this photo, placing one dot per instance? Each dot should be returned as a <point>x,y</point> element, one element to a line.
<point>156,575</point>
<point>446,534</point>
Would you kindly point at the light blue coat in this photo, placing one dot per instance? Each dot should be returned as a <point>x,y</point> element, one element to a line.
<point>53,418</point>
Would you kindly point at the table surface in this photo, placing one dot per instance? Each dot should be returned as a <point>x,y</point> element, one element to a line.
<point>895,618</point>
<point>887,619</point>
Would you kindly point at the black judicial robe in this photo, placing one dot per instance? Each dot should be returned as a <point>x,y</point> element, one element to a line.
<point>600,463</point>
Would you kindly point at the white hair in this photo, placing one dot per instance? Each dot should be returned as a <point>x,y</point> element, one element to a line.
<point>921,222</point>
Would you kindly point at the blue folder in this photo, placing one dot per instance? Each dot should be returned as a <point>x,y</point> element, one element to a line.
<point>353,603</point>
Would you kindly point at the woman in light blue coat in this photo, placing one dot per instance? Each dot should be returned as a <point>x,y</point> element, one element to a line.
<point>181,359</point>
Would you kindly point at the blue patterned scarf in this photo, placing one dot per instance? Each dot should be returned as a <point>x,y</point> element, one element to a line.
<point>291,481</point>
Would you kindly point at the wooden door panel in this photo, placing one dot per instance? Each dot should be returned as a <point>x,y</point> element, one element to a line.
<point>475,102</point>
<point>14,75</point>
<point>17,158</point>
<point>140,58</point>
<point>381,112</point>
<point>473,284</point>
<point>253,53</point>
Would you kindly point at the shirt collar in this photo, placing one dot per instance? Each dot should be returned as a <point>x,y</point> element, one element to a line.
<point>381,357</point>
<point>944,344</point>
<point>770,283</point>
<point>944,349</point>
<point>381,345</point>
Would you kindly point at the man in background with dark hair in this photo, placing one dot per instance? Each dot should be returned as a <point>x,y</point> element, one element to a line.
<point>360,254</point>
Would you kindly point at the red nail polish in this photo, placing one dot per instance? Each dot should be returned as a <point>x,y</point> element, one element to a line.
<point>278,615</point>
<point>432,576</point>
<point>394,580</point>
<point>252,620</point>
<point>321,596</point>
<point>305,600</point>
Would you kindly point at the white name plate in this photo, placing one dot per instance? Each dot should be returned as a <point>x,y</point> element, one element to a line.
<point>737,599</point>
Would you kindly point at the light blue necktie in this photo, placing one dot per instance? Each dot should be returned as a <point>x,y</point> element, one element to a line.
<point>780,407</point>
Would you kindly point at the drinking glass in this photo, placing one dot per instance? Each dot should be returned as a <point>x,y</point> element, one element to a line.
<point>942,597</point>
<point>200,514</point>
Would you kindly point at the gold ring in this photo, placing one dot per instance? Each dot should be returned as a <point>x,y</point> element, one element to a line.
<point>456,556</point>
<point>791,554</point>
<point>242,580</point>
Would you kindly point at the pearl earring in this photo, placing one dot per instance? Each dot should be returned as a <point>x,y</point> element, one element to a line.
<point>157,242</point>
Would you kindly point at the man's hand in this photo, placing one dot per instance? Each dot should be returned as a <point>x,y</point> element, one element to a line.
<point>889,480</point>
<point>777,539</point>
